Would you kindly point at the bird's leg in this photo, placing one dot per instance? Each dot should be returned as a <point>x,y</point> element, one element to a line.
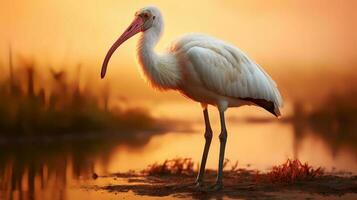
<point>222,139</point>
<point>208,138</point>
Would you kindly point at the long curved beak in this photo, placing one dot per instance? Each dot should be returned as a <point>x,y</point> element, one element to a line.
<point>134,28</point>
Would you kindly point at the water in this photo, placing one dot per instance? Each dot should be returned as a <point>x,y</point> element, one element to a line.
<point>59,170</point>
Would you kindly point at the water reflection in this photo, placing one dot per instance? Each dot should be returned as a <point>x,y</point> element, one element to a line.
<point>48,170</point>
<point>43,170</point>
<point>337,133</point>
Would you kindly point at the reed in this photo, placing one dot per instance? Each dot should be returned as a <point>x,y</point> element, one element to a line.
<point>33,103</point>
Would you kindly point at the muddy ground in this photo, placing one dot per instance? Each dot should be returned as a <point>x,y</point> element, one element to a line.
<point>243,184</point>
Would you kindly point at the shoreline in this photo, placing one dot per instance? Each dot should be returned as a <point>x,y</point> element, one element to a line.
<point>239,184</point>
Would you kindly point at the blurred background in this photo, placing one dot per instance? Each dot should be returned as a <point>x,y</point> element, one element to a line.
<point>60,123</point>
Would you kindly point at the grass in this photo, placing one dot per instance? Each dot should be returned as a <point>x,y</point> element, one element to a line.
<point>47,102</point>
<point>180,166</point>
<point>176,166</point>
<point>288,172</point>
<point>292,171</point>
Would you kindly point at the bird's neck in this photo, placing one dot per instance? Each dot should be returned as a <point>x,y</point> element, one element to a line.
<point>160,70</point>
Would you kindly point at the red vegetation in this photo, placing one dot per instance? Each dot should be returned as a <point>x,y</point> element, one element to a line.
<point>174,166</point>
<point>292,171</point>
<point>289,172</point>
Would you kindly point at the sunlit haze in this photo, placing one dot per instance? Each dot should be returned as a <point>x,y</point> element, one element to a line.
<point>65,133</point>
<point>280,35</point>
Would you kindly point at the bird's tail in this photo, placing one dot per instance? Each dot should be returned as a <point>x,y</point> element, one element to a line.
<point>267,105</point>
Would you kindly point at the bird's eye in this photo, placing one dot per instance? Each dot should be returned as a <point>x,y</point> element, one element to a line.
<point>153,17</point>
<point>146,15</point>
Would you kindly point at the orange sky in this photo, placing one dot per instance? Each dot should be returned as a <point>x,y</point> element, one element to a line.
<point>295,32</point>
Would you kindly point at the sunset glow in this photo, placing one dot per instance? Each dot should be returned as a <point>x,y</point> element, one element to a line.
<point>68,133</point>
<point>276,33</point>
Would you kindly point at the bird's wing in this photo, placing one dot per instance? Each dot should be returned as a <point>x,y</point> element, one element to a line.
<point>226,70</point>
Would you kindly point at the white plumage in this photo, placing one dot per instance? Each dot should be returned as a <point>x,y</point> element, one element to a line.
<point>204,69</point>
<point>225,70</point>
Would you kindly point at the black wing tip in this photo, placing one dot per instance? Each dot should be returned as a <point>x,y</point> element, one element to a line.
<point>267,105</point>
<point>275,114</point>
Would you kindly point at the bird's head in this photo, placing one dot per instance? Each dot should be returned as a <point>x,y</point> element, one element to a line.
<point>151,17</point>
<point>147,18</point>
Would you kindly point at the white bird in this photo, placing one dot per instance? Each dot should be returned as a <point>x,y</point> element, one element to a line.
<point>204,69</point>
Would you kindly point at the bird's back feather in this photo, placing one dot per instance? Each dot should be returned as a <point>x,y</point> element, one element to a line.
<point>225,69</point>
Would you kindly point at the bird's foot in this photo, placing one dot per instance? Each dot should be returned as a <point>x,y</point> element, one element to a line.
<point>199,185</point>
<point>217,186</point>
